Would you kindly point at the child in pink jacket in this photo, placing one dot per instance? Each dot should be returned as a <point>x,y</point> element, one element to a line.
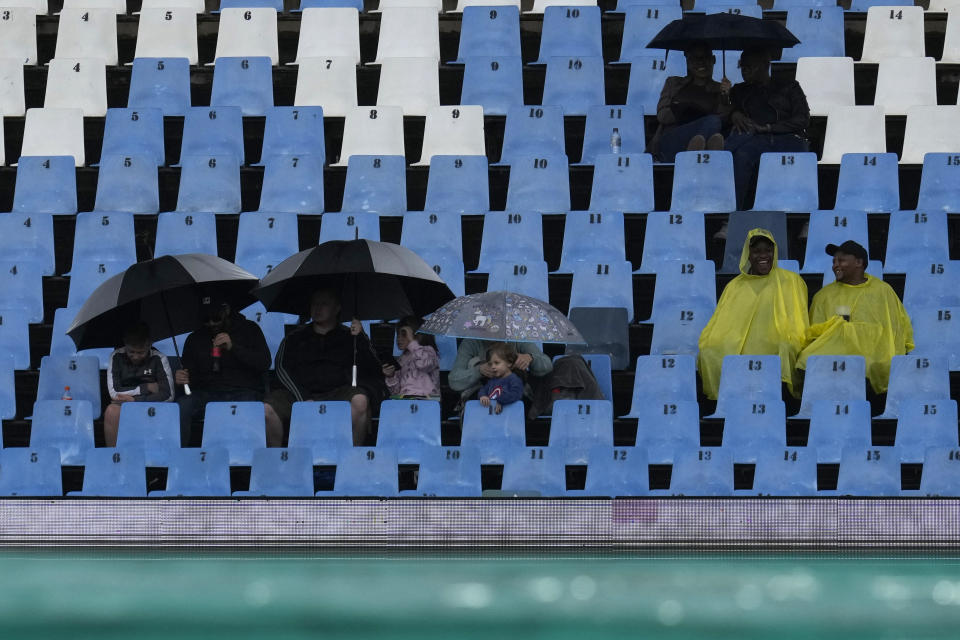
<point>419,370</point>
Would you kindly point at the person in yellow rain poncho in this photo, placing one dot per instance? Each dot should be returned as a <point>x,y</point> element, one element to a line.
<point>763,311</point>
<point>858,315</point>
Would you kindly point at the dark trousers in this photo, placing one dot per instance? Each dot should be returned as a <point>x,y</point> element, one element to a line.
<point>192,408</point>
<point>676,139</point>
<point>747,149</point>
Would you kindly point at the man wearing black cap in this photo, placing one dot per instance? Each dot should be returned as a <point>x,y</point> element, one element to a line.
<point>224,360</point>
<point>858,315</point>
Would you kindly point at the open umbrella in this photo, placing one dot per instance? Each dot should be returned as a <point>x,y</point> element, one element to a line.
<point>502,315</point>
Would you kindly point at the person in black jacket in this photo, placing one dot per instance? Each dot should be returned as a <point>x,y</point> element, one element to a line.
<point>137,373</point>
<point>316,363</point>
<point>224,360</point>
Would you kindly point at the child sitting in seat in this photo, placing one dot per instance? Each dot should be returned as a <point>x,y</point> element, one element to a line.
<point>505,387</point>
<point>417,373</point>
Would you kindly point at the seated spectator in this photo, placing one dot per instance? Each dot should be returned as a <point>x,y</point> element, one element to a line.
<point>504,386</point>
<point>471,369</point>
<point>417,373</point>
<point>316,361</point>
<point>136,373</point>
<point>692,109</point>
<point>763,311</point>
<point>224,360</point>
<point>769,114</point>
<point>858,315</point>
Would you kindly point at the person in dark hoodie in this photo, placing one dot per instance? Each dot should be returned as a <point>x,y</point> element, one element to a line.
<point>224,360</point>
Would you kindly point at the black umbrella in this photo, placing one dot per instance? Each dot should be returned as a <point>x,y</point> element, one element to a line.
<point>164,292</point>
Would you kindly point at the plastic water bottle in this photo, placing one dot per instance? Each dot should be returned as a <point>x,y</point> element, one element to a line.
<point>615,141</point>
<point>66,394</point>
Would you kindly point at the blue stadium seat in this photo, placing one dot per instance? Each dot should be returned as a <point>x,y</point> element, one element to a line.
<point>264,240</point>
<point>322,427</point>
<point>786,5</point>
<point>870,472</point>
<point>376,184</point>
<point>539,183</point>
<point>819,29</point>
<point>209,183</point>
<point>30,472</point>
<point>495,436</point>
<point>104,237</point>
<point>834,425</point>
<point>670,237</point>
<point>624,5</point>
<point>281,473</point>
<point>160,83</point>
<point>153,428</point>
<point>923,424</point>
<point>647,75</point>
<point>134,132</point>
<point>703,181</point>
<point>458,184</point>
<point>114,473</point>
<point>702,472</point>
<point>213,131</point>
<point>863,5</point>
<point>202,473</point>
<point>425,232</point>
<point>868,182</point>
<point>785,471</point>
<point>787,182</point>
<point>532,132</point>
<point>678,331</point>
<point>449,472</point>
<point>832,227</point>
<point>535,471</point>
<point>181,232</point>
<point>21,287</point>
<point>667,427</point>
<point>602,119</point>
<point>496,83</point>
<point>641,23</point>
<point>740,8</point>
<point>246,83</point>
<point>239,427</point>
<point>308,4</point>
<point>622,182</point>
<point>349,226</point>
<point>28,237</point>
<point>15,336</point>
<point>365,471</point>
<point>528,278</point>
<point>602,368</point>
<point>293,184</point>
<point>941,473</point>
<point>409,427</point>
<point>65,425</point>
<point>293,131</point>
<point>8,391</point>
<point>605,331</point>
<point>939,186</point>
<point>937,330</point>
<point>591,237</point>
<point>271,323</point>
<point>916,377</point>
<point>507,235</point>
<point>80,373</point>
<point>127,183</point>
<point>576,426</point>
<point>686,291</point>
<point>489,31</point>
<point>934,285</point>
<point>87,276</point>
<point>570,32</point>
<point>45,184</point>
<point>915,240</point>
<point>616,471</point>
<point>754,427</point>
<point>743,378</point>
<point>607,285</point>
<point>575,84</point>
<point>662,377</point>
<point>832,378</point>
<point>447,266</point>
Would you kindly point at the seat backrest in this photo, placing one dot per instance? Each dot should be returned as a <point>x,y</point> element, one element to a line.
<point>376,184</point>
<point>433,233</point>
<point>819,29</point>
<point>754,427</point>
<point>939,186</point>
<point>702,472</point>
<point>209,183</point>
<point>45,184</point>
<point>916,377</point>
<point>453,131</point>
<point>668,377</point>
<point>66,425</point>
<point>152,427</point>
<point>203,472</point>
<point>533,131</point>
<point>163,83</point>
<point>915,240</point>
<point>941,473</point>
<point>449,472</point>
<point>892,33</point>
<point>282,472</point>
<point>925,423</point>
<point>180,232</point>
<point>832,378</point>
<point>413,84</point>
<point>598,131</point>
<point>569,31</point>
<point>688,285</point>
<point>248,32</point>
<point>8,391</point>
<point>28,237</point>
<point>167,32</point>
<point>936,330</point>
<point>330,83</point>
<point>507,235</point>
<point>30,471</point>
<point>372,131</point>
<point>951,39</point>
<point>592,237</point>
<point>367,471</point>
<point>602,285</point>
<point>528,278</point>
<point>245,82</point>
<point>753,378</point>
<point>409,427</point>
<point>578,425</point>
<point>667,426</point>
<point>641,24</point>
<point>647,75</point>
<point>21,287</point>
<point>827,82</point>
<point>703,181</point>
<point>537,470</point>
<point>213,132</point>
<point>87,33</point>
<point>853,129</point>
<point>18,40</point>
<point>408,32</point>
<point>494,435</point>
<point>933,286</point>
<point>606,331</point>
<point>489,31</point>
<point>622,182</point>
<point>836,424</point>
<point>458,184</point>
<point>787,182</point>
<point>115,472</point>
<point>134,132</point>
<point>293,131</point>
<point>87,276</point>
<point>128,183</point>
<point>238,427</point>
<point>867,182</point>
<point>329,32</point>
<point>54,132</point>
<point>293,184</point>
<point>350,226</point>
<point>496,83</point>
<point>15,336</point>
<point>574,83</point>
<point>104,237</point>
<point>617,471</point>
<point>80,373</point>
<point>670,237</point>
<point>322,427</point>
<point>930,129</point>
<point>905,82</point>
<point>786,471</point>
<point>874,472</point>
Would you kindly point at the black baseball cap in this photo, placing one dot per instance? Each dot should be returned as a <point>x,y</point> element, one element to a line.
<point>850,248</point>
<point>211,307</point>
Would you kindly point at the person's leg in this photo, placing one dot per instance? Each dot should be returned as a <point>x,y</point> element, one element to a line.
<point>360,418</point>
<point>111,422</point>
<point>274,426</point>
<point>190,407</point>
<point>277,407</point>
<point>746,149</point>
<point>678,138</point>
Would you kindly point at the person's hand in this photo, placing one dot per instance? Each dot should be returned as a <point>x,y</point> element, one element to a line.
<point>498,409</point>
<point>486,370</point>
<point>741,123</point>
<point>152,387</point>
<point>223,340</point>
<point>523,362</point>
<point>182,376</point>
<point>123,397</point>
<point>355,327</point>
<point>725,85</point>
<point>389,370</point>
<point>485,401</point>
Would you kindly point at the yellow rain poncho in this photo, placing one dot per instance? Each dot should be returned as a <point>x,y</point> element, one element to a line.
<point>756,315</point>
<point>879,327</point>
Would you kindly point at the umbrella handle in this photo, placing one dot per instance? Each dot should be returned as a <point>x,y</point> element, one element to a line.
<point>186,389</point>
<point>354,376</point>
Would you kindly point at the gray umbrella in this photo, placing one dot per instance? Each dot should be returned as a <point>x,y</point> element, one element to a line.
<point>502,315</point>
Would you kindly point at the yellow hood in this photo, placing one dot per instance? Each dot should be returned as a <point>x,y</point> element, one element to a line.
<point>745,253</point>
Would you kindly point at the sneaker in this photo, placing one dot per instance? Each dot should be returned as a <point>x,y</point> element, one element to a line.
<point>697,143</point>
<point>715,142</point>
